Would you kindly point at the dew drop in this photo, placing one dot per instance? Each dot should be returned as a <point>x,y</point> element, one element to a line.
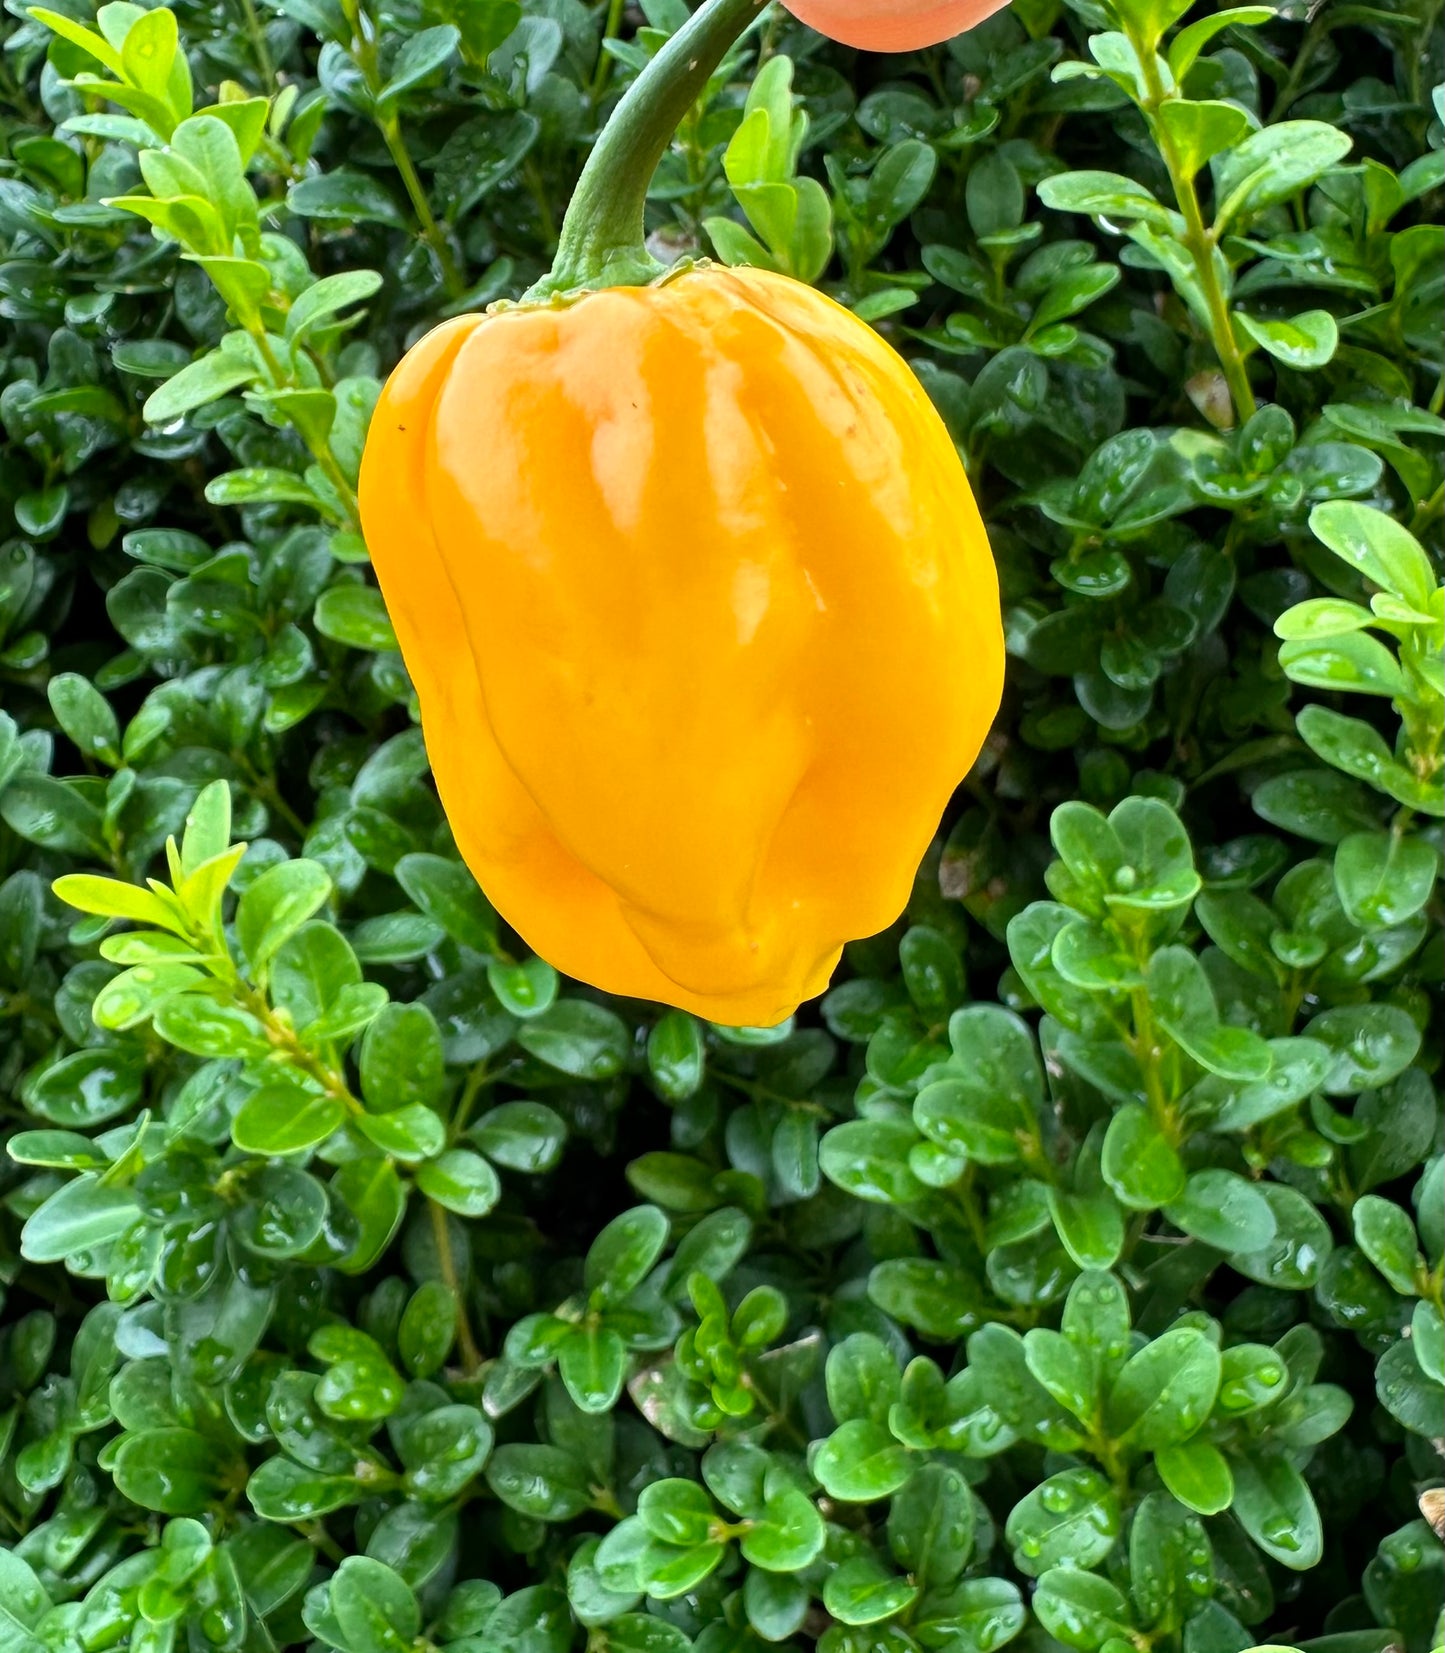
<point>1279,1531</point>
<point>1407,1557</point>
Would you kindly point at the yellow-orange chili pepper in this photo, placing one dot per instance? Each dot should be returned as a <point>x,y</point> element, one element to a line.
<point>702,621</point>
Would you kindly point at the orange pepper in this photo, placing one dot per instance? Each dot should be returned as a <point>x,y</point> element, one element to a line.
<point>697,603</point>
<point>892,25</point>
<point>702,620</point>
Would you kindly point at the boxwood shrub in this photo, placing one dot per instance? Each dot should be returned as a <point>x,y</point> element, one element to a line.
<point>1070,1274</point>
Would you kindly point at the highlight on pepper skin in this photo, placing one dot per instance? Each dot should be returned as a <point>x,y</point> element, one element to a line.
<point>892,25</point>
<point>703,623</point>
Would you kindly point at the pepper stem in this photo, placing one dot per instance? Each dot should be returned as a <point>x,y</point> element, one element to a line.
<point>602,239</point>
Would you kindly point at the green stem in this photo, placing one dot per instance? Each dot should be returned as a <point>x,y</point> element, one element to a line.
<point>283,379</point>
<point>600,74</point>
<point>476,1079</point>
<point>368,60</point>
<point>258,44</point>
<point>432,232</point>
<point>1303,58</point>
<point>1199,241</point>
<point>466,1341</point>
<point>1427,511</point>
<point>602,238</point>
<point>1415,61</point>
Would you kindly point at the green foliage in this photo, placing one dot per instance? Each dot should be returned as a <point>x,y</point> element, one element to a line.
<point>1071,1275</point>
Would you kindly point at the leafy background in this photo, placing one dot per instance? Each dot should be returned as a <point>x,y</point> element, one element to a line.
<point>1071,1274</point>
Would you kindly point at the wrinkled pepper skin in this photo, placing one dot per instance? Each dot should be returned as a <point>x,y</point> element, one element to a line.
<point>892,25</point>
<point>702,620</point>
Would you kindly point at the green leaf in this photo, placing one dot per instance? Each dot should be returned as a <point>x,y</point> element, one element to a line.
<point>1183,1002</point>
<point>1353,661</point>
<point>1293,1259</point>
<point>85,715</point>
<point>402,1060</point>
<point>1384,878</point>
<point>579,1038</point>
<point>1371,1044</point>
<point>461,1181</point>
<point>1186,46</point>
<point>862,1591</point>
<point>112,899</point>
<point>1224,1210</point>
<point>1165,1391</point>
<point>542,1482</point>
<point>592,1362</point>
<point>1356,747</point>
<point>374,1610</point>
<point>677,1055</point>
<point>624,1253</point>
<point>999,1366</point>
<point>1091,1226</point>
<point>445,891</point>
<point>1306,340</point>
<point>23,1604</point>
<point>988,1109</point>
<point>423,55</point>
<point>1200,130</point>
<point>1273,164</point>
<point>411,1133</point>
<point>1071,1519</point>
<point>347,197</point>
<point>930,1525</point>
<point>860,1462</point>
<point>677,1511</point>
<point>276,905</point>
<point>78,1217</point>
<point>932,972</point>
<point>868,1158</point>
<point>526,989</point>
<point>1372,542</point>
<point>1387,1237</point>
<point>1321,617</point>
<point>1277,1510</point>
<point>1139,1163</point>
<point>209,1027</point>
<point>862,1379</point>
<point>1065,1370</point>
<point>173,1471</point>
<point>283,1118</point>
<point>355,615</point>
<point>1104,195</point>
<point>87,39</point>
<point>523,1136</point>
<point>207,833</point>
<point>1198,1475</point>
<point>148,50</point>
<point>1081,1609</point>
<point>87,1087</point>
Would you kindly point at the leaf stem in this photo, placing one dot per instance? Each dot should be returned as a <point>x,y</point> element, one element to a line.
<point>1199,239</point>
<point>603,70</point>
<point>432,232</point>
<point>257,36</point>
<point>283,379</point>
<point>363,50</point>
<point>446,1261</point>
